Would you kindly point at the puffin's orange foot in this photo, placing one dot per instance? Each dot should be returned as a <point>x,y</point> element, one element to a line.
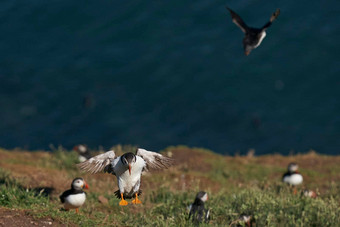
<point>77,210</point>
<point>123,202</point>
<point>295,191</point>
<point>136,200</point>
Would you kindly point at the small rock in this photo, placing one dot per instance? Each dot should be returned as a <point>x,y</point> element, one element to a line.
<point>103,200</point>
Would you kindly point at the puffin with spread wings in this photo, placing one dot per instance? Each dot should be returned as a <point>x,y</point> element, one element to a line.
<point>128,169</point>
<point>253,36</point>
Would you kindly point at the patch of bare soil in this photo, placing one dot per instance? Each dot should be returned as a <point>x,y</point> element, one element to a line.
<point>13,217</point>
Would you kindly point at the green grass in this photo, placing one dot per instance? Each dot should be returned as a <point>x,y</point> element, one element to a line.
<point>269,202</point>
<point>274,206</point>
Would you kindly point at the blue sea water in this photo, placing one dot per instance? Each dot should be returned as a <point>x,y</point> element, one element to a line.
<point>160,73</point>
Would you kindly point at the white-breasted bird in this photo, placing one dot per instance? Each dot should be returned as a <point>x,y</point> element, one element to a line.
<point>253,36</point>
<point>74,197</point>
<point>292,176</point>
<point>83,152</point>
<point>127,168</point>
<point>198,212</point>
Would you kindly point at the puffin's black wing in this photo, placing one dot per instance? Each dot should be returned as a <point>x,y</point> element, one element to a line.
<point>272,18</point>
<point>98,163</point>
<point>154,160</point>
<point>287,174</point>
<point>64,195</point>
<point>238,20</point>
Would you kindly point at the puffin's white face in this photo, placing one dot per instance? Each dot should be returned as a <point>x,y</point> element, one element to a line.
<point>79,184</point>
<point>292,167</point>
<point>205,197</point>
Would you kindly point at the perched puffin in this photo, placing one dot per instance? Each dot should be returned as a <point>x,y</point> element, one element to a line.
<point>74,197</point>
<point>292,177</point>
<point>246,219</point>
<point>197,211</point>
<point>127,168</point>
<point>83,152</point>
<point>253,36</point>
<point>309,193</point>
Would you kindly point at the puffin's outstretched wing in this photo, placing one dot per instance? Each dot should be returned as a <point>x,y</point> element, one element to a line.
<point>272,18</point>
<point>238,20</point>
<point>97,163</point>
<point>154,160</point>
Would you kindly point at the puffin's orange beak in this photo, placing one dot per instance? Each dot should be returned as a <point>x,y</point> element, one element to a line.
<point>86,186</point>
<point>130,169</point>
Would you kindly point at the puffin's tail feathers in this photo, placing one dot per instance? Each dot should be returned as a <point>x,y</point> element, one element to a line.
<point>117,194</point>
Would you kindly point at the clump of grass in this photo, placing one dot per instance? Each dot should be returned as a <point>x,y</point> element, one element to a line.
<point>12,194</point>
<point>270,208</point>
<point>63,159</point>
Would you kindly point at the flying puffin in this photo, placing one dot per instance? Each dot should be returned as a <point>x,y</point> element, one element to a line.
<point>83,152</point>
<point>253,36</point>
<point>127,168</point>
<point>197,211</point>
<point>292,177</point>
<point>74,197</point>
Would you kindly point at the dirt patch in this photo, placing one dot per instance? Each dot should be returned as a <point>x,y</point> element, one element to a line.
<point>13,217</point>
<point>186,158</point>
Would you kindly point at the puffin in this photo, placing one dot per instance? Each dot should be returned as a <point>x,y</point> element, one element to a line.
<point>253,36</point>
<point>309,193</point>
<point>292,176</point>
<point>246,219</point>
<point>74,197</point>
<point>83,152</point>
<point>197,211</point>
<point>128,169</point>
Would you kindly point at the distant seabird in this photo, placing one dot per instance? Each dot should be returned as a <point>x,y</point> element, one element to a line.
<point>83,151</point>
<point>309,193</point>
<point>253,36</point>
<point>74,197</point>
<point>127,168</point>
<point>292,176</point>
<point>197,211</point>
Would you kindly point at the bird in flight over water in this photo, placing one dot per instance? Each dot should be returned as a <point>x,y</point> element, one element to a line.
<point>253,36</point>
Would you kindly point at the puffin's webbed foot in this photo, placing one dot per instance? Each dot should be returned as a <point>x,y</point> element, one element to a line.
<point>123,202</point>
<point>136,200</point>
<point>295,190</point>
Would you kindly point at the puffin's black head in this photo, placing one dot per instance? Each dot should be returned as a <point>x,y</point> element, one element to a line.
<point>201,197</point>
<point>247,49</point>
<point>127,159</point>
<point>81,149</point>
<point>292,167</point>
<point>79,184</point>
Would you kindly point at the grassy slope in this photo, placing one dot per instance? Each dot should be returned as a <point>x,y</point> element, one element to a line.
<point>235,185</point>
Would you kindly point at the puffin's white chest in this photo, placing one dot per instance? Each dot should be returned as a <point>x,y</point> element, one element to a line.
<point>293,179</point>
<point>75,200</point>
<point>263,34</point>
<point>126,182</point>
